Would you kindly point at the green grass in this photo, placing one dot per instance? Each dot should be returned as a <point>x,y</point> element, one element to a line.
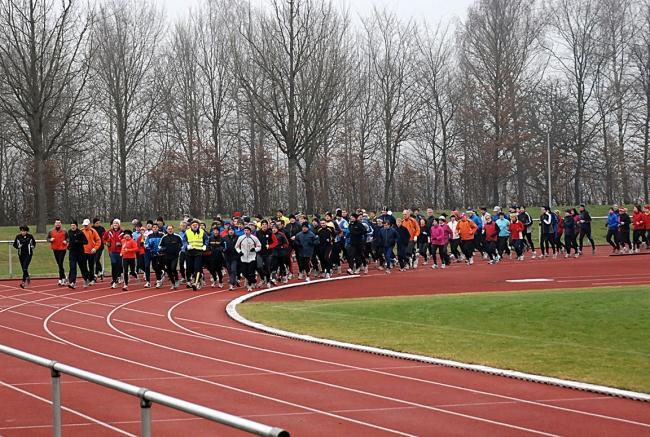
<point>592,335</point>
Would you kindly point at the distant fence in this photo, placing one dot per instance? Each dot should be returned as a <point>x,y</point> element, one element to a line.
<point>146,398</point>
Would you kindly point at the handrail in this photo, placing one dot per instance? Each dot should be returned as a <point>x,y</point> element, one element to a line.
<point>146,397</point>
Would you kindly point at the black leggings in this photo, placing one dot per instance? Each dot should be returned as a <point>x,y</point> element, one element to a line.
<point>467,246</point>
<point>249,272</point>
<point>624,239</point>
<point>502,246</point>
<point>545,241</point>
<point>442,250</point>
<point>59,256</point>
<point>570,242</point>
<point>491,249</point>
<point>304,264</point>
<point>324,252</point>
<point>586,233</point>
<point>216,266</point>
<point>170,268</point>
<point>529,240</point>
<point>639,236</point>
<point>25,260</point>
<point>128,263</point>
<point>612,238</point>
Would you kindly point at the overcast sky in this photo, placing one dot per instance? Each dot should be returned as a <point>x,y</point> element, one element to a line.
<point>431,10</point>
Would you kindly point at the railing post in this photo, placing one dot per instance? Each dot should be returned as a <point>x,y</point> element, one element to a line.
<point>10,267</point>
<point>145,414</point>
<point>56,402</point>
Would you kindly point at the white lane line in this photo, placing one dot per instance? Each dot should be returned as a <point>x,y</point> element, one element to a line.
<point>326,384</point>
<point>69,410</point>
<point>206,381</point>
<point>529,280</point>
<point>30,334</point>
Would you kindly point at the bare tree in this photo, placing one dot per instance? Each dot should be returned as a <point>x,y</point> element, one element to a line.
<point>286,47</point>
<point>579,55</point>
<point>641,61</point>
<point>392,59</point>
<point>42,61</point>
<point>126,36</point>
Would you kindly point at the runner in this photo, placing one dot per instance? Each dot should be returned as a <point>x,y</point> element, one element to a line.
<point>569,234</point>
<point>216,262</point>
<point>527,221</point>
<point>152,246</point>
<point>90,249</point>
<point>624,221</point>
<point>466,230</point>
<point>504,235</point>
<point>585,228</point>
<point>57,237</point>
<point>324,249</point>
<point>491,231</point>
<point>356,236</point>
<point>128,253</point>
<point>76,242</point>
<point>517,232</point>
<point>440,235</point>
<point>99,265</point>
<point>113,239</point>
<point>306,243</point>
<point>247,246</point>
<point>196,240</point>
<point>612,230</point>
<point>170,248</point>
<point>403,238</point>
<point>413,227</point>
<point>547,234</point>
<point>25,244</point>
<point>638,220</point>
<point>231,257</point>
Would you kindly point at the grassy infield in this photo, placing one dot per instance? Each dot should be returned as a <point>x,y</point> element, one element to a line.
<point>595,335</point>
<point>592,335</point>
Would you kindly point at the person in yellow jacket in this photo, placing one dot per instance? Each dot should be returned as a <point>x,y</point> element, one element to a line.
<point>196,240</point>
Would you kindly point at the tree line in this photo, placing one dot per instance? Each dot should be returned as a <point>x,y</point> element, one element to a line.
<point>113,109</point>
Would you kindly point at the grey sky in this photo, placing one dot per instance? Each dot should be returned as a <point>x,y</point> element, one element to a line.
<point>431,10</point>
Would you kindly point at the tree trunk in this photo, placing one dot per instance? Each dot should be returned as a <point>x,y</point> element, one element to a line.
<point>40,194</point>
<point>293,184</point>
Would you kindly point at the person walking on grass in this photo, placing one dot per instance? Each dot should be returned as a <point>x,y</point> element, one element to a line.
<point>25,244</point>
<point>128,253</point>
<point>76,242</point>
<point>57,237</point>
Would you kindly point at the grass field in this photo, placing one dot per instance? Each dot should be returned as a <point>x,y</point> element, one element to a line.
<point>593,335</point>
<point>43,263</point>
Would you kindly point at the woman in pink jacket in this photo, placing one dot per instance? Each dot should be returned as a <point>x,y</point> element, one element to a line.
<point>440,236</point>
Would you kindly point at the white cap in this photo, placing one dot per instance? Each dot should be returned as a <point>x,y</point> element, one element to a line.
<point>86,222</point>
<point>134,221</point>
<point>117,221</point>
<point>390,212</point>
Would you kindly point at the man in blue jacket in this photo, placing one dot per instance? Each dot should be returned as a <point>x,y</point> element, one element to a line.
<point>306,242</point>
<point>612,229</point>
<point>388,237</point>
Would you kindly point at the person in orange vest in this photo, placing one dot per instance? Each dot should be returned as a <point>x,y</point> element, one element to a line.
<point>57,237</point>
<point>90,249</point>
<point>413,227</point>
<point>466,229</point>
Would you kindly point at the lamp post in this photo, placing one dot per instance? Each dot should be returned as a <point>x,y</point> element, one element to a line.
<point>548,158</point>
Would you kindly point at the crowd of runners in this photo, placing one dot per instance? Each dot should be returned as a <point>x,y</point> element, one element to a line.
<point>260,252</point>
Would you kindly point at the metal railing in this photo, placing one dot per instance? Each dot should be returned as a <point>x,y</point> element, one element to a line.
<point>145,396</point>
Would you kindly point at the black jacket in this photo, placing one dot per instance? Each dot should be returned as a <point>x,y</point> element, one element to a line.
<point>325,236</point>
<point>357,233</point>
<point>25,244</point>
<point>170,245</point>
<point>76,240</point>
<point>228,242</point>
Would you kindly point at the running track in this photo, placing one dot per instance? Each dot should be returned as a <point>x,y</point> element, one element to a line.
<point>183,344</point>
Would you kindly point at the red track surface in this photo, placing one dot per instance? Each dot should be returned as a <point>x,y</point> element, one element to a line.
<point>183,344</point>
